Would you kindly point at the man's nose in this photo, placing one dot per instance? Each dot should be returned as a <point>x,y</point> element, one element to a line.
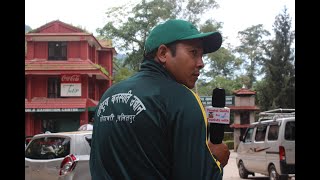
<point>200,63</point>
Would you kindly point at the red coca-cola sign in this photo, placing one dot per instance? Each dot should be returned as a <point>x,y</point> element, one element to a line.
<point>70,78</point>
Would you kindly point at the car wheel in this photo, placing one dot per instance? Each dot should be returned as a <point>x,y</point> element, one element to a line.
<point>273,175</point>
<point>243,173</point>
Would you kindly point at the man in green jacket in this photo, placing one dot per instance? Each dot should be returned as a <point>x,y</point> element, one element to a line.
<point>152,125</point>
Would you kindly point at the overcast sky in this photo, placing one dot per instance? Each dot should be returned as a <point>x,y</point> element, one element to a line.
<point>236,15</point>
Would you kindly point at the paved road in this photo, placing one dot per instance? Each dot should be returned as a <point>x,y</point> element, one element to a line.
<point>231,170</point>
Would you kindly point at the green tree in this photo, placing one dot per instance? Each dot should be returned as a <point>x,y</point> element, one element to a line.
<point>128,26</point>
<point>251,50</point>
<point>220,66</point>
<point>205,88</point>
<point>121,72</point>
<point>222,62</point>
<point>277,90</point>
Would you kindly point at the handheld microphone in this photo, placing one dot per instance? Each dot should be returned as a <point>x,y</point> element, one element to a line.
<point>218,116</point>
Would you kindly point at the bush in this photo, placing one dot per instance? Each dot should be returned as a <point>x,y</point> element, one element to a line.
<point>230,144</point>
<point>228,136</point>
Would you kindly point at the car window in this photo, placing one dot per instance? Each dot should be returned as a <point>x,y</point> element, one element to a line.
<point>248,136</point>
<point>48,148</point>
<point>28,139</point>
<point>260,133</point>
<point>290,131</point>
<point>273,132</point>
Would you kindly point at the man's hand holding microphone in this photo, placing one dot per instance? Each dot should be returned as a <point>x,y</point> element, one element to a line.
<point>218,117</point>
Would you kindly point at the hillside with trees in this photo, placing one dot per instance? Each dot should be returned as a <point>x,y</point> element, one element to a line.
<point>27,28</point>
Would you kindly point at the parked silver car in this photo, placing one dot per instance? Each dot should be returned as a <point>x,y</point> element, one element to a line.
<point>63,155</point>
<point>268,146</point>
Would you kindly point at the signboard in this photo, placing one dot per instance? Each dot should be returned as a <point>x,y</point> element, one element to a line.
<point>229,100</point>
<point>55,110</point>
<point>70,85</point>
<point>218,115</point>
<point>70,78</point>
<point>207,100</point>
<point>68,89</point>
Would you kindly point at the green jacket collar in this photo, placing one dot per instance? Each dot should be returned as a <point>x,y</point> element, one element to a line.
<point>151,65</point>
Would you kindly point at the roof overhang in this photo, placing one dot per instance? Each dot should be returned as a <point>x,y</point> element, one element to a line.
<point>238,126</point>
<point>45,37</point>
<point>98,73</point>
<point>44,67</point>
<point>246,108</point>
<point>41,104</point>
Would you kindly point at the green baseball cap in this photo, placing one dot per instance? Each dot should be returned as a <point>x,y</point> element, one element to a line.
<point>175,29</point>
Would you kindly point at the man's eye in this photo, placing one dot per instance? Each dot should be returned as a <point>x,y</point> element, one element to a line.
<point>194,52</point>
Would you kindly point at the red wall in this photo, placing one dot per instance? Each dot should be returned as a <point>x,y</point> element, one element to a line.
<point>39,86</point>
<point>30,50</point>
<point>73,49</point>
<point>105,60</point>
<point>84,86</point>
<point>90,52</point>
<point>41,50</point>
<point>83,50</point>
<point>101,87</point>
<point>93,54</point>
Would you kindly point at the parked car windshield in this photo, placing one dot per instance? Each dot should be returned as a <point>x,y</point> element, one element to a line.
<point>48,148</point>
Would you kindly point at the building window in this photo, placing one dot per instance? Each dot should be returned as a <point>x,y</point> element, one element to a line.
<point>53,87</point>
<point>57,50</point>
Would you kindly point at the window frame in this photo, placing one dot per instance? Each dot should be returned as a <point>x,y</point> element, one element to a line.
<point>273,132</point>
<point>57,50</point>
<point>290,135</point>
<point>48,147</point>
<point>54,87</point>
<point>248,135</point>
<point>260,134</point>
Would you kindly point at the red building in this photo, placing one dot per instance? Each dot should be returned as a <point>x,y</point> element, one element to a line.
<point>67,70</point>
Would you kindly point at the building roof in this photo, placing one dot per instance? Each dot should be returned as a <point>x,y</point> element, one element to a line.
<point>237,126</point>
<point>107,43</point>
<point>52,103</point>
<point>58,30</point>
<point>244,91</point>
<point>52,25</point>
<point>75,66</point>
<point>250,108</point>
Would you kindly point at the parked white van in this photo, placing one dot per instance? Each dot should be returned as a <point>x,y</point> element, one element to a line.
<point>268,146</point>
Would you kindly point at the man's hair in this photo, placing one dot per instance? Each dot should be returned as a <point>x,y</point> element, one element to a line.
<point>172,46</point>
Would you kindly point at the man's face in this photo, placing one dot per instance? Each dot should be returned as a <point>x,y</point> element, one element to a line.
<point>186,64</point>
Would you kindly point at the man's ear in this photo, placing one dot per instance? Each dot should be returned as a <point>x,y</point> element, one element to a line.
<point>162,53</point>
